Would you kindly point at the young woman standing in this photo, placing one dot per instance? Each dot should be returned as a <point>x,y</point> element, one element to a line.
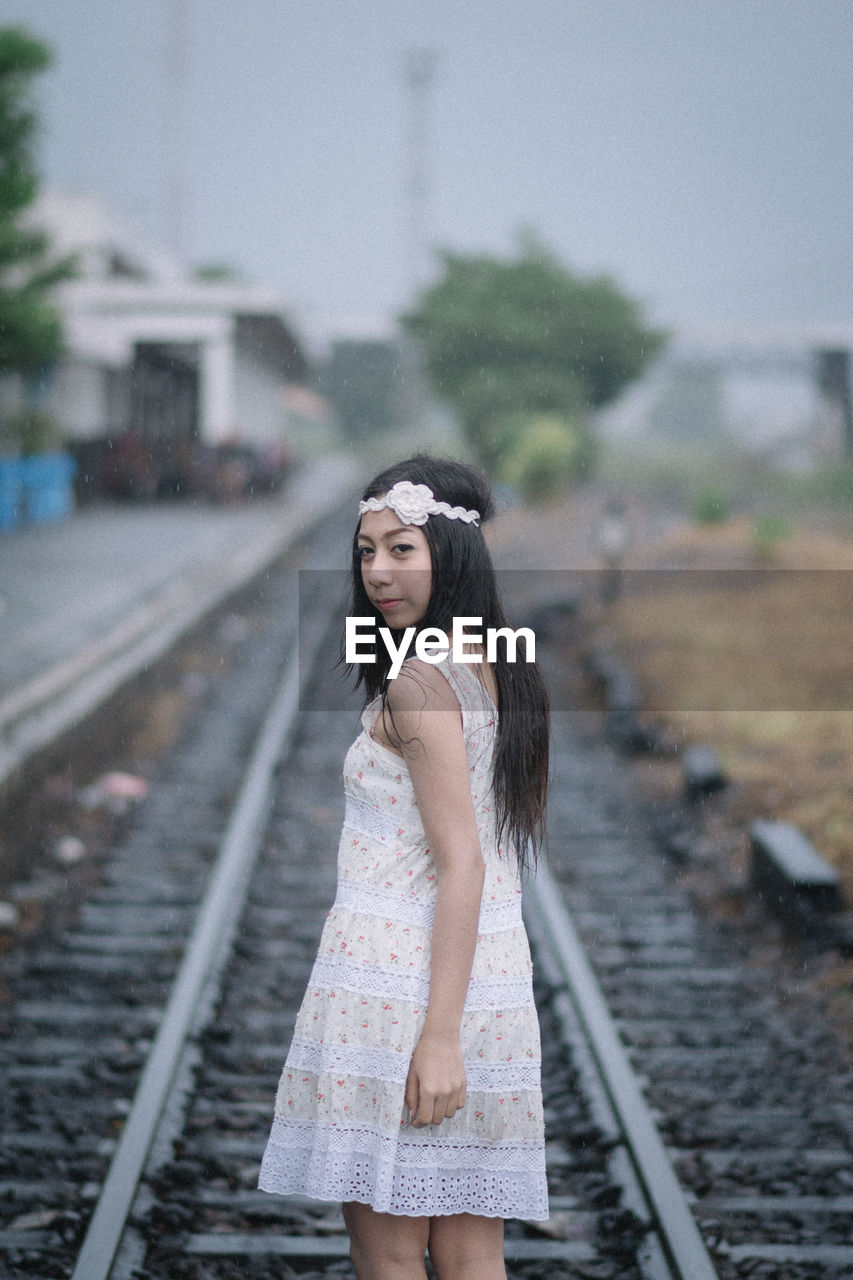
<point>411,1092</point>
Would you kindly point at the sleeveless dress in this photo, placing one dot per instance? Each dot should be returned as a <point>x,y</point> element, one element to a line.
<point>341,1129</point>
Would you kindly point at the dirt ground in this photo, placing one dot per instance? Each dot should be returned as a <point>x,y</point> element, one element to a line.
<point>745,646</point>
<point>758,662</point>
<point>739,644</point>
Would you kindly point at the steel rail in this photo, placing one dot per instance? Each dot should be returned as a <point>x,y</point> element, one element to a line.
<point>679,1236</point>
<point>216,922</point>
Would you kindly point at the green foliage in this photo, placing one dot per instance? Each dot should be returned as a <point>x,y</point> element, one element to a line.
<point>31,431</point>
<point>833,484</point>
<point>30,332</point>
<point>711,506</point>
<point>218,273</point>
<point>493,398</point>
<point>768,531</point>
<point>526,335</point>
<point>546,455</point>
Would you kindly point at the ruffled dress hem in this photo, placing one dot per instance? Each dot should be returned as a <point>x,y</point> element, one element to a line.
<point>412,1191</point>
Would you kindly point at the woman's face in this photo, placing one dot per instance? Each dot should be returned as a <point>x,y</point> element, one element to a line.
<point>396,567</point>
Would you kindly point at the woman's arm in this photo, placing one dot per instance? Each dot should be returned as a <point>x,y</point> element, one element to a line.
<point>428,728</point>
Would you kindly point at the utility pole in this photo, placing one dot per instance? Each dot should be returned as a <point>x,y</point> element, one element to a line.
<point>420,71</point>
<point>174,181</point>
<point>419,74</point>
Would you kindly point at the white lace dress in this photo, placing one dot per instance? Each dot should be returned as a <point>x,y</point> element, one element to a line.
<point>340,1130</point>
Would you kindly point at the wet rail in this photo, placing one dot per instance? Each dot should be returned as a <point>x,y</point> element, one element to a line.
<point>749,1088</point>
<point>146,1041</point>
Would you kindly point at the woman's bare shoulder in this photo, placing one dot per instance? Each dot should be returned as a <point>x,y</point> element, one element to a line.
<point>421,686</point>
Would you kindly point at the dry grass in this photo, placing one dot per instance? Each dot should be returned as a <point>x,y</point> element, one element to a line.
<point>760,666</point>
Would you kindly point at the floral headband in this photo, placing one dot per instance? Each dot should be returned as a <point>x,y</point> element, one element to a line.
<point>415,503</point>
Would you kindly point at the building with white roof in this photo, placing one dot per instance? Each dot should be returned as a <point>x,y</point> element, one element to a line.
<point>154,353</point>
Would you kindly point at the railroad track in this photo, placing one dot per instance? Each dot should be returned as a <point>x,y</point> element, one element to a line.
<point>751,1094</point>
<point>147,1041</point>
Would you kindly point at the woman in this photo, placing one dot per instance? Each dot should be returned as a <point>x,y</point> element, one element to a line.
<point>411,1091</point>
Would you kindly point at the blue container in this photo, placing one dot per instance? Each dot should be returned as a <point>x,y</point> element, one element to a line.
<point>48,493</point>
<point>10,493</point>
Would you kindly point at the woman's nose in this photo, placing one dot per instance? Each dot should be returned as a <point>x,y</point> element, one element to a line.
<point>380,568</point>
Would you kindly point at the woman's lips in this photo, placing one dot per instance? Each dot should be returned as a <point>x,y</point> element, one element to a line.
<point>387,604</point>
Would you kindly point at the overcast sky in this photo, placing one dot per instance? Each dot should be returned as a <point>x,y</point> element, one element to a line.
<point>697,150</point>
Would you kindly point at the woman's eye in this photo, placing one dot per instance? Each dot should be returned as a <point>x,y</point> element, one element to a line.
<point>361,552</point>
<point>403,546</point>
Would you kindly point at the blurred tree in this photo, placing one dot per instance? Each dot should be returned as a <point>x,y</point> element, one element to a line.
<point>526,335</point>
<point>360,377</point>
<point>30,329</point>
<point>218,273</point>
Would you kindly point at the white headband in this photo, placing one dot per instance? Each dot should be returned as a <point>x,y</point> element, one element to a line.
<point>415,503</point>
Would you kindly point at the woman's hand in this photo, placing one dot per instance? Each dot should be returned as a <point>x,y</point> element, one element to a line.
<point>435,1085</point>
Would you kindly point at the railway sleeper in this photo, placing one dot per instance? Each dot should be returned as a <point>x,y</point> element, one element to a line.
<point>788,873</point>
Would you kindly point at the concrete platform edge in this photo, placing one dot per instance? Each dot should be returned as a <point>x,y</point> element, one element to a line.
<point>45,708</point>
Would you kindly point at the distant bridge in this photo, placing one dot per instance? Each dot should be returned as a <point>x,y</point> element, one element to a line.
<point>821,350</point>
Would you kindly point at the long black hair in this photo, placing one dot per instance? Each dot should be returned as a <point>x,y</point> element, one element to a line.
<point>464,583</point>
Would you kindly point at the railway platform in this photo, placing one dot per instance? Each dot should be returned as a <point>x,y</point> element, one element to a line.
<point>86,602</point>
